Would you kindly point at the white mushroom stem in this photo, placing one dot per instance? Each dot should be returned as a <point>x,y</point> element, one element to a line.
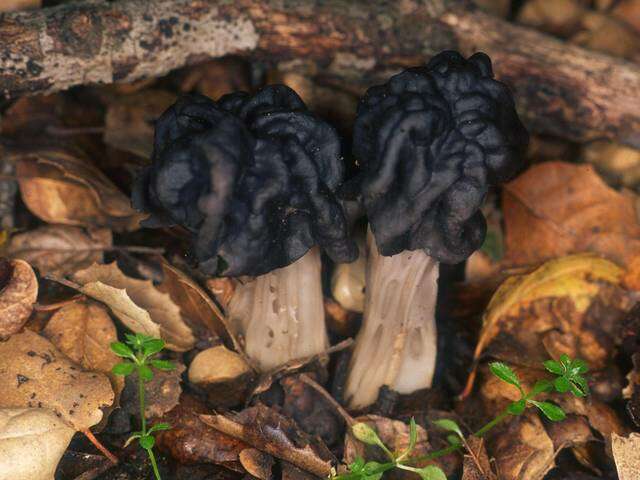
<point>397,343</point>
<point>280,314</point>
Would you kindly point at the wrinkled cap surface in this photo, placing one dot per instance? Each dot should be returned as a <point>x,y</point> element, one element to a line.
<point>252,177</point>
<point>431,141</point>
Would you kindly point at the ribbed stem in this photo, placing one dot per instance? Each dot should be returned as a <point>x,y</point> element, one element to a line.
<point>397,343</point>
<point>281,314</point>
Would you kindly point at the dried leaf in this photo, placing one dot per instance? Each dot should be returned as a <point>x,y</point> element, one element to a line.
<point>196,306</point>
<point>577,279</point>
<point>162,392</point>
<point>19,293</point>
<point>58,250</point>
<point>32,441</point>
<point>191,441</point>
<point>18,5</point>
<point>618,163</point>
<point>557,208</point>
<point>626,453</point>
<point>83,331</point>
<point>137,303</point>
<point>257,463</point>
<point>60,186</point>
<point>476,464</point>
<point>130,119</point>
<point>523,449</point>
<point>270,432</point>
<point>34,373</point>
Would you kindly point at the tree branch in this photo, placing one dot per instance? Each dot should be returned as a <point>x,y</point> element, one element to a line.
<point>561,89</point>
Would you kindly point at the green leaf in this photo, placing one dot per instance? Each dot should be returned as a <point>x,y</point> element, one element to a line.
<point>551,411</point>
<point>554,367</point>
<point>449,425</point>
<point>365,434</point>
<point>565,361</point>
<point>504,373</point>
<point>152,346</point>
<point>541,386</point>
<point>431,472</point>
<point>562,385</point>
<point>454,439</point>
<point>124,368</point>
<point>579,386</point>
<point>516,408</point>
<point>579,366</point>
<point>357,465</point>
<point>145,373</point>
<point>158,427</point>
<point>162,364</point>
<point>147,442</point>
<point>132,438</point>
<point>121,349</point>
<point>413,435</point>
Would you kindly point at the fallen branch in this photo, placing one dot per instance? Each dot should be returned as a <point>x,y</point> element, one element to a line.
<point>562,89</point>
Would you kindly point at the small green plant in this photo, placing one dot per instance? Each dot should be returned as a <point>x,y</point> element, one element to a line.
<point>568,377</point>
<point>139,350</point>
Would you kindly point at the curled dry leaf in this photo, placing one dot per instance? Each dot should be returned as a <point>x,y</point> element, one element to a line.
<point>552,300</point>
<point>137,303</point>
<point>196,306</point>
<point>58,250</point>
<point>83,331</point>
<point>32,441</point>
<point>130,119</point>
<point>523,449</point>
<point>272,433</point>
<point>61,186</point>
<point>34,373</point>
<point>257,463</point>
<point>17,296</point>
<point>558,208</point>
<point>191,441</point>
<point>626,453</point>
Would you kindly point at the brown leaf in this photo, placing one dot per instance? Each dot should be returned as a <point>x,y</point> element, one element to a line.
<point>34,373</point>
<point>572,431</point>
<point>257,463</point>
<point>61,186</point>
<point>83,331</point>
<point>58,250</point>
<point>270,432</point>
<point>558,208</point>
<point>18,5</point>
<point>17,297</point>
<point>476,464</point>
<point>196,306</point>
<point>137,303</point>
<point>162,392</point>
<point>626,452</point>
<point>32,441</point>
<point>523,449</point>
<point>192,441</point>
<point>554,302</point>
<point>130,119</point>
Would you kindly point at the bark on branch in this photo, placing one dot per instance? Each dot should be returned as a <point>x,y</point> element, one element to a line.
<point>561,89</point>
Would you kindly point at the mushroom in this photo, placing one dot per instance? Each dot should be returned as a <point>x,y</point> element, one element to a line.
<point>430,142</point>
<point>253,179</point>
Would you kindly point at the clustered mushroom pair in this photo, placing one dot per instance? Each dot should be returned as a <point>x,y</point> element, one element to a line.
<point>256,179</point>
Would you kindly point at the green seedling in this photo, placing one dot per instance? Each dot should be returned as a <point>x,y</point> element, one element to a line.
<point>568,378</point>
<point>139,351</point>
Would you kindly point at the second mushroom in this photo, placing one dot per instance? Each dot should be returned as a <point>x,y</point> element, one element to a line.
<point>430,142</point>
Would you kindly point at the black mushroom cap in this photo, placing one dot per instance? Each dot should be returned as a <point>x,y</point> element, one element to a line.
<point>430,141</point>
<point>252,177</point>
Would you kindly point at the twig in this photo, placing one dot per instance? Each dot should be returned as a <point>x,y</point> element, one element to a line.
<point>349,420</point>
<point>89,434</point>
